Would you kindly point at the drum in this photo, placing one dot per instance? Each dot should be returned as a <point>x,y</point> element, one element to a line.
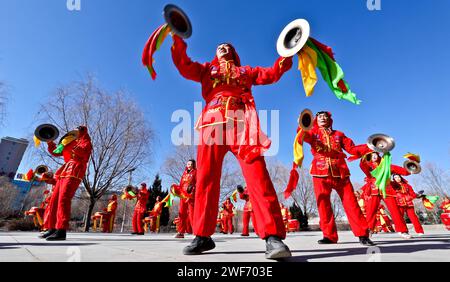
<point>293,225</point>
<point>445,217</point>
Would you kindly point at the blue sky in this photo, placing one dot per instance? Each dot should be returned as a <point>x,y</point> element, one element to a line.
<point>396,60</point>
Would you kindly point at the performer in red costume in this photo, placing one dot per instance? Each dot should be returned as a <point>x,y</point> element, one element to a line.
<point>49,179</point>
<point>155,215</point>
<point>68,177</point>
<point>187,192</point>
<point>330,171</point>
<point>248,211</point>
<point>368,163</point>
<point>230,122</point>
<point>109,214</point>
<point>139,210</point>
<point>228,214</point>
<point>405,197</point>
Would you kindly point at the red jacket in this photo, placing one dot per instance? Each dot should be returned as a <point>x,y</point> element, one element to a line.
<point>142,199</point>
<point>188,179</point>
<point>228,209</point>
<point>226,87</point>
<point>76,156</point>
<point>244,196</point>
<point>370,187</point>
<point>405,194</point>
<point>327,149</point>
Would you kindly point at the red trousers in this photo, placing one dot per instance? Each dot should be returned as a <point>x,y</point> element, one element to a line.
<point>246,220</point>
<point>372,206</point>
<point>186,214</point>
<point>413,217</point>
<point>138,224</point>
<point>322,188</point>
<point>57,215</point>
<point>260,188</point>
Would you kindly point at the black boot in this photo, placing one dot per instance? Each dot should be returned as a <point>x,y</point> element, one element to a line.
<point>366,241</point>
<point>47,233</point>
<point>59,235</point>
<point>276,249</point>
<point>199,245</point>
<point>325,240</point>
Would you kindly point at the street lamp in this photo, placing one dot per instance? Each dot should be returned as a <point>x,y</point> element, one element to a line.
<point>130,171</point>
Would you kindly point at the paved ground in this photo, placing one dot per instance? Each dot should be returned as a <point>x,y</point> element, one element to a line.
<point>25,246</point>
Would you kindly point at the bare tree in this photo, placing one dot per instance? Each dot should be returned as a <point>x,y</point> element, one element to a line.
<point>120,135</point>
<point>175,163</point>
<point>435,180</point>
<point>8,196</point>
<point>304,194</point>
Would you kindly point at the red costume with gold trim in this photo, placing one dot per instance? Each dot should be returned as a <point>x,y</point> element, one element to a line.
<point>230,108</point>
<point>383,221</point>
<point>329,170</point>
<point>247,213</point>
<point>110,215</point>
<point>155,215</point>
<point>68,177</point>
<point>186,190</point>
<point>405,197</point>
<point>374,196</point>
<point>286,213</point>
<point>227,217</point>
<point>140,209</point>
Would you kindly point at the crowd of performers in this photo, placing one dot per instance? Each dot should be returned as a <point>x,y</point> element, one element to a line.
<point>230,115</point>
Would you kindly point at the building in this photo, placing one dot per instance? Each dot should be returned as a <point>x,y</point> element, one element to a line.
<point>11,154</point>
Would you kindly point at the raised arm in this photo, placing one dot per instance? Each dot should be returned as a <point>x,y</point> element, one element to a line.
<point>188,69</point>
<point>399,170</point>
<point>51,147</point>
<point>272,74</point>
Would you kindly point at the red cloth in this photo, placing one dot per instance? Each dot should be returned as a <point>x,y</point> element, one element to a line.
<point>322,188</point>
<point>68,177</point>
<point>227,88</point>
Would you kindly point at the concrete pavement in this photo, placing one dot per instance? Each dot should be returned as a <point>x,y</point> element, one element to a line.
<point>26,247</point>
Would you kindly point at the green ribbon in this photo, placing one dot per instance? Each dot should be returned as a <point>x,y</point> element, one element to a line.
<point>332,73</point>
<point>59,149</point>
<point>382,173</point>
